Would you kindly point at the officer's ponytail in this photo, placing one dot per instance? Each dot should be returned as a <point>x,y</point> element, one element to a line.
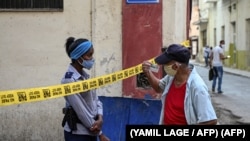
<point>69,45</point>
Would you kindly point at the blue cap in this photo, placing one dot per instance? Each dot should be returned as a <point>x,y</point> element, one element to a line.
<point>174,52</point>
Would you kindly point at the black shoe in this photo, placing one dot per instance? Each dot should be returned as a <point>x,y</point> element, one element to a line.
<point>213,90</point>
<point>220,92</point>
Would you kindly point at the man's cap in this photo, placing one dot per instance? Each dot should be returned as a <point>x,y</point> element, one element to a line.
<point>174,52</point>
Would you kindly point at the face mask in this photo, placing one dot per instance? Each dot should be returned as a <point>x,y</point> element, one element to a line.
<point>169,70</point>
<point>222,46</point>
<point>88,64</point>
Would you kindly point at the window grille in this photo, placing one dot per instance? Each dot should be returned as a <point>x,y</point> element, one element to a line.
<point>31,5</point>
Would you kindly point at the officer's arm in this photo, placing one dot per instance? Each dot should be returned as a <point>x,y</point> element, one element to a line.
<point>77,102</point>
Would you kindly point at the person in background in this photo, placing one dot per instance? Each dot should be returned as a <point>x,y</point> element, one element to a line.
<point>185,97</point>
<point>190,50</point>
<point>210,52</point>
<point>211,49</point>
<point>217,57</point>
<point>83,111</point>
<point>206,52</point>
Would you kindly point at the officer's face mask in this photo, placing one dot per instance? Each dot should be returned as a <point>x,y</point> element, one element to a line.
<point>88,64</point>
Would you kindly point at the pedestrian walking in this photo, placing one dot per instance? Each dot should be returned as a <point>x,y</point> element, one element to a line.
<point>217,57</point>
<point>206,52</point>
<point>83,111</point>
<point>210,52</point>
<point>185,97</point>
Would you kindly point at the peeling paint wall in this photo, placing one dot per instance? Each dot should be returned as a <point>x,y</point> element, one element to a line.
<point>174,21</point>
<point>107,39</point>
<point>32,54</point>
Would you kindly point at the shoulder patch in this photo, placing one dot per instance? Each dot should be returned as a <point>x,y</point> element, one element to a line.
<point>68,74</point>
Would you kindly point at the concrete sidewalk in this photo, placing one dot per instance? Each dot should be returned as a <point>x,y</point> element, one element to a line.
<point>227,69</point>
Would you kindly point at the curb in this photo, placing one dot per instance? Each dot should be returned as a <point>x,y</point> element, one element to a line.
<point>227,70</point>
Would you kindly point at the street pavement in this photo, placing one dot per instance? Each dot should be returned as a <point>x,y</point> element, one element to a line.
<point>235,100</point>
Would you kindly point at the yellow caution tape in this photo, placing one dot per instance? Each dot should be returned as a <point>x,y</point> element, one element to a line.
<point>186,43</point>
<point>19,96</point>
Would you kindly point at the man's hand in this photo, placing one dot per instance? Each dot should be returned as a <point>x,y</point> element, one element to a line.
<point>153,80</point>
<point>146,66</point>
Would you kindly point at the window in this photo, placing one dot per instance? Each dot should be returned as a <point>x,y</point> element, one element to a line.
<point>215,37</point>
<point>233,42</point>
<point>142,81</point>
<point>204,38</point>
<point>248,41</point>
<point>31,5</point>
<point>233,31</point>
<point>223,33</point>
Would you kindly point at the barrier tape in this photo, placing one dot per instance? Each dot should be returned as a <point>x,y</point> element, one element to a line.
<point>186,43</point>
<point>19,96</point>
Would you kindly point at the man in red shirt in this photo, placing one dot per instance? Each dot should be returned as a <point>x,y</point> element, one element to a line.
<point>185,97</point>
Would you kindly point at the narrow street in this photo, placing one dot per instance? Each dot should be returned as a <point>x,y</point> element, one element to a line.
<point>232,106</point>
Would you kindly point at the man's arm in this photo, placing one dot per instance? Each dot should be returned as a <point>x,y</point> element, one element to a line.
<point>205,112</point>
<point>223,57</point>
<point>211,122</point>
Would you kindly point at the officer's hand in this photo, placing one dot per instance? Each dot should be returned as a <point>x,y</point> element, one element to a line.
<point>102,137</point>
<point>97,126</point>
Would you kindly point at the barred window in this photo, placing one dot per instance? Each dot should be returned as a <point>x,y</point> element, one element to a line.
<point>31,5</point>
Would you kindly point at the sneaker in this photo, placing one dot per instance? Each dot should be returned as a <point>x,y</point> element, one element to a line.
<point>220,92</point>
<point>213,90</point>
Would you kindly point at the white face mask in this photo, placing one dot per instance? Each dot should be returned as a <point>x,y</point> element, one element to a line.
<point>169,70</point>
<point>223,46</point>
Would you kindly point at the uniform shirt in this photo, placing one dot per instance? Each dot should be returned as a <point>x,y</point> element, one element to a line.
<point>217,62</point>
<point>197,102</point>
<point>86,104</point>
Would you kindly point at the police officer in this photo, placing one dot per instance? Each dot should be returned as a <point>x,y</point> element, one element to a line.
<point>83,111</point>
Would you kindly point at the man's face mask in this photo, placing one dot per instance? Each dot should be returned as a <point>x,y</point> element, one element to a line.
<point>169,70</point>
<point>223,46</point>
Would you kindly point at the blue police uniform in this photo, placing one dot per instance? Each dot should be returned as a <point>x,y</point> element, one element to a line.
<point>86,104</point>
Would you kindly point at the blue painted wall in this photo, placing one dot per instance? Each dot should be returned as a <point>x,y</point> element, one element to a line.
<point>118,112</point>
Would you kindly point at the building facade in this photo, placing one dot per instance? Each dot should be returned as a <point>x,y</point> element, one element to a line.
<point>226,20</point>
<point>32,52</point>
